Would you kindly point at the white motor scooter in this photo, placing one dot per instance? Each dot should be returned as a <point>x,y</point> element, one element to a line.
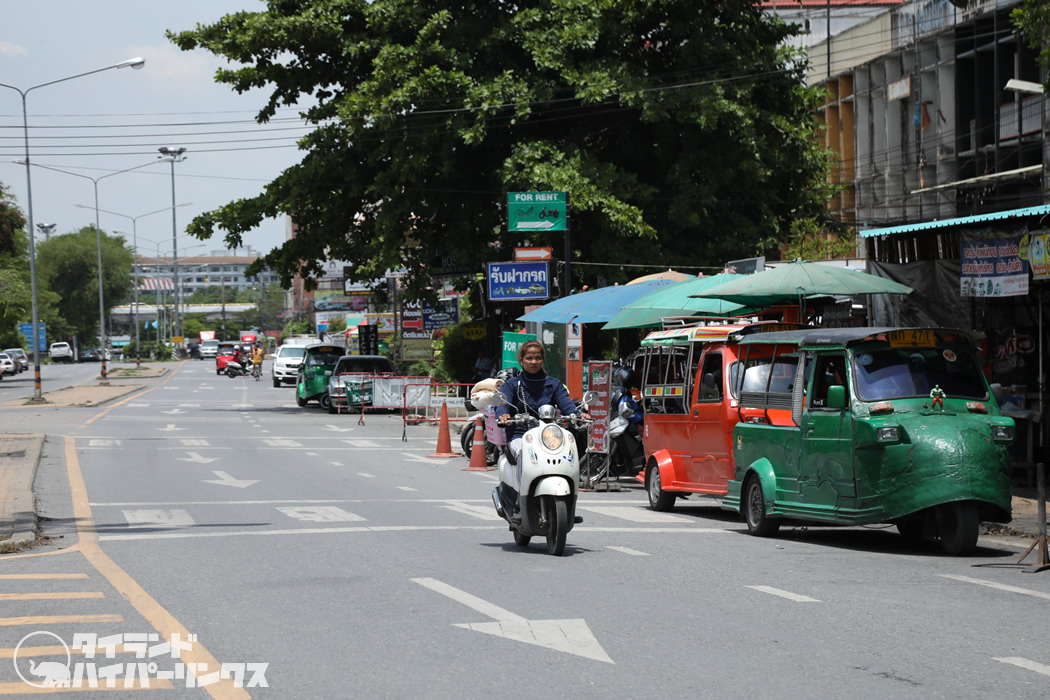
<point>550,477</point>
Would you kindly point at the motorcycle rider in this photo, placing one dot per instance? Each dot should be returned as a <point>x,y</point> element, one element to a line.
<point>238,356</point>
<point>257,360</point>
<point>525,393</point>
<point>627,379</point>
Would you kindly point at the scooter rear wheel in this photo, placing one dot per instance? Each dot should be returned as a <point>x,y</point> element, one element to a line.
<point>557,526</point>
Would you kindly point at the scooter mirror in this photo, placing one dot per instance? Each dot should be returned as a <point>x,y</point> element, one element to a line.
<point>498,399</point>
<point>590,397</point>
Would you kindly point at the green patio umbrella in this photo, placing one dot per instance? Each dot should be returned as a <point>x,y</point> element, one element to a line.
<point>797,280</point>
<point>676,300</point>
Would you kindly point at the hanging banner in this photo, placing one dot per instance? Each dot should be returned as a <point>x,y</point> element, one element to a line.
<point>600,381</point>
<point>992,263</point>
<point>1033,249</point>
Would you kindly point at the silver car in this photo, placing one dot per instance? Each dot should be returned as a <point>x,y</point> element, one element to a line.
<point>7,365</point>
<point>20,357</point>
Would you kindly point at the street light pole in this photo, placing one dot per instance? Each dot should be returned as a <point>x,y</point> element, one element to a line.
<point>98,235</point>
<point>174,155</point>
<point>133,63</point>
<point>47,230</point>
<point>134,267</point>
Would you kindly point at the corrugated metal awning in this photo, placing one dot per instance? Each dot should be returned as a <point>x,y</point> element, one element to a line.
<point>961,221</point>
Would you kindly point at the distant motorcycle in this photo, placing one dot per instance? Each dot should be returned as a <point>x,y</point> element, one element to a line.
<point>236,369</point>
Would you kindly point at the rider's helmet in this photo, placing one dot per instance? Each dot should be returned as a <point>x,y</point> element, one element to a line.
<point>507,373</point>
<point>626,378</point>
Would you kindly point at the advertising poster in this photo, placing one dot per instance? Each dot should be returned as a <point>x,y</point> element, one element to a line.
<point>1036,254</point>
<point>518,281</point>
<point>992,263</point>
<point>445,314</point>
<point>337,300</point>
<point>599,379</point>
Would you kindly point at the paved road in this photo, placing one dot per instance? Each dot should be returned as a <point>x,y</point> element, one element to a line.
<point>342,562</point>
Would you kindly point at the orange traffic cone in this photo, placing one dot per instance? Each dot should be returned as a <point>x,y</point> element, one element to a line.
<point>478,461</point>
<point>444,448</point>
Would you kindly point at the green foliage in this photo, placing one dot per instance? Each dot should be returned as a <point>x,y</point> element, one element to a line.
<point>68,266</point>
<point>681,129</point>
<point>336,325</point>
<point>301,327</point>
<point>16,298</point>
<point>810,241</point>
<point>1033,18</point>
<point>457,357</point>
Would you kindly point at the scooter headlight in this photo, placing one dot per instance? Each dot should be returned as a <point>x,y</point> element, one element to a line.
<point>552,437</point>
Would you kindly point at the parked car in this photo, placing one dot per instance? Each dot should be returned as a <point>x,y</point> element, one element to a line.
<point>7,365</point>
<point>89,355</point>
<point>351,384</point>
<point>318,364</point>
<point>60,352</point>
<point>286,363</point>
<point>20,357</point>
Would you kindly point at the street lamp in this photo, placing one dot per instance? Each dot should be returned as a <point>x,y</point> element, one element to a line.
<point>47,230</point>
<point>98,236</point>
<point>173,154</point>
<point>134,268</point>
<point>133,63</point>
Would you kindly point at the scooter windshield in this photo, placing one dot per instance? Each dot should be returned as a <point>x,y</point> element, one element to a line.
<point>897,373</point>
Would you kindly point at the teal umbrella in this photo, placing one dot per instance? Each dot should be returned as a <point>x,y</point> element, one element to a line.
<point>596,306</point>
<point>676,300</point>
<point>794,281</point>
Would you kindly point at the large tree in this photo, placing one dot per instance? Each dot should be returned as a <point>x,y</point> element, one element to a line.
<point>15,289</point>
<point>1033,18</point>
<point>68,266</point>
<point>681,129</point>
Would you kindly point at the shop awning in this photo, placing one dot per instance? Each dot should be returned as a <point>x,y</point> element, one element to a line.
<point>961,221</point>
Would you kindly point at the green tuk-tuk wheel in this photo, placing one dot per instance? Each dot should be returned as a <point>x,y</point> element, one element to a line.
<point>754,507</point>
<point>959,526</point>
<point>659,500</point>
<point>299,400</point>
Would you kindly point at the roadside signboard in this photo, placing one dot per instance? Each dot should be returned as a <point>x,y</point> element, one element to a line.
<point>26,329</point>
<point>518,281</point>
<point>537,211</point>
<point>599,381</point>
<point>368,338</point>
<point>445,314</point>
<point>511,343</point>
<point>525,254</point>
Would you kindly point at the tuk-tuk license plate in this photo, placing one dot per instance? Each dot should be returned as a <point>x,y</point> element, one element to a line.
<point>910,338</point>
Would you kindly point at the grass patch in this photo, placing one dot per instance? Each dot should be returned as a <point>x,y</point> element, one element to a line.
<point>9,547</point>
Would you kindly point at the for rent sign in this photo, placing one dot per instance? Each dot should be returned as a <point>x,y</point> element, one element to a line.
<point>993,264</point>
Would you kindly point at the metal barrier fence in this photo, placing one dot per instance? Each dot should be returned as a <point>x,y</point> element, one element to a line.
<point>364,391</point>
<point>423,402</point>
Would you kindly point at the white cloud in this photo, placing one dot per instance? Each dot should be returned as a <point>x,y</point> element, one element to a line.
<point>9,49</point>
<point>168,62</point>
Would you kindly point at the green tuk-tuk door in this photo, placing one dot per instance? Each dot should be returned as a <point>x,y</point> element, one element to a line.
<point>826,469</point>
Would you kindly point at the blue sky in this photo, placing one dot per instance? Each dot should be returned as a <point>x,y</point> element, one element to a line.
<point>116,119</point>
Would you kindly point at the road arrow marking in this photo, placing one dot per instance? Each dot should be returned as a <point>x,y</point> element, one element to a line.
<point>174,411</point>
<point>227,480</point>
<point>320,514</point>
<point>569,636</point>
<point>1024,663</point>
<point>337,429</point>
<point>194,457</point>
<point>171,427</point>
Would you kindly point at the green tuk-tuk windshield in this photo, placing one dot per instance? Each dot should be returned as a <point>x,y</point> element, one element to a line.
<point>897,373</point>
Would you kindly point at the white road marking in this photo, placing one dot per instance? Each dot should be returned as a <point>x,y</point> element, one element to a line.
<point>174,411</point>
<point>227,480</point>
<point>296,531</point>
<point>360,443</point>
<point>366,475</point>
<point>189,405</point>
<point>628,550</point>
<point>311,454</point>
<point>1000,586</point>
<point>337,464</point>
<point>137,405</point>
<point>193,442</point>
<point>424,460</point>
<point>1024,663</point>
<point>196,458</point>
<point>105,443</point>
<point>406,488</point>
<point>784,594</point>
<point>281,442</point>
<point>158,518</point>
<point>479,512</point>
<point>171,388</point>
<point>320,514</point>
<point>337,429</point>
<point>170,428</point>
<point>635,515</point>
<point>569,636</point>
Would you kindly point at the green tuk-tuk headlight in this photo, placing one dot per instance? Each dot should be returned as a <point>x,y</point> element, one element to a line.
<point>1003,433</point>
<point>888,433</point>
<point>552,438</point>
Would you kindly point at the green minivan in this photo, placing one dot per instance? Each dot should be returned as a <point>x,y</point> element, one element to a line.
<point>888,425</point>
<point>318,363</point>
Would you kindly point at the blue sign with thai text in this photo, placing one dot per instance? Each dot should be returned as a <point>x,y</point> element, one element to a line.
<point>519,281</point>
<point>26,329</point>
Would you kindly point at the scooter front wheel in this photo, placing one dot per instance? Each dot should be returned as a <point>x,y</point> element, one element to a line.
<point>557,525</point>
<point>521,540</point>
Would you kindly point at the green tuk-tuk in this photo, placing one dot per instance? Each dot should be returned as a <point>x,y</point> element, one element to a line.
<point>887,425</point>
<point>319,361</point>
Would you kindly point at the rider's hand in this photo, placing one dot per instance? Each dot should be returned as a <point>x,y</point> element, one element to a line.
<point>503,419</point>
<point>584,415</point>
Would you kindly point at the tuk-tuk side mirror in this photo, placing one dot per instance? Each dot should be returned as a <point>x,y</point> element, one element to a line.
<point>836,396</point>
<point>997,392</point>
<point>328,373</point>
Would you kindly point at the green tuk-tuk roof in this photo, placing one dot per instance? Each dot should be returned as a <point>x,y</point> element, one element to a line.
<point>843,337</point>
<point>714,333</point>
